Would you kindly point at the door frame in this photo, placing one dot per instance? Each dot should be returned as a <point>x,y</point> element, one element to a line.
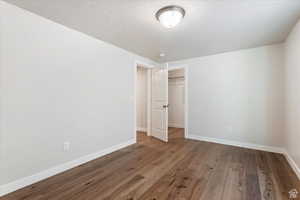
<point>148,66</point>
<point>186,96</point>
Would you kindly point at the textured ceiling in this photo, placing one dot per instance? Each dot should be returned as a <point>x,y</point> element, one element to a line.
<point>209,27</point>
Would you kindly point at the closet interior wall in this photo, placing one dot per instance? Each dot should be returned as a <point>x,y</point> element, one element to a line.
<point>176,98</point>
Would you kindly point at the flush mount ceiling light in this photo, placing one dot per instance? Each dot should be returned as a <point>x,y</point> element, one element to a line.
<point>170,16</point>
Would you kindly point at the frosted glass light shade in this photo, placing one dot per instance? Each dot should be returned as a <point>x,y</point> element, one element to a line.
<point>170,16</point>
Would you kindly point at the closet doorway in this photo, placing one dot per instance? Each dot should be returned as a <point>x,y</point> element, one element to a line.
<point>176,98</point>
<point>143,96</point>
<point>176,83</point>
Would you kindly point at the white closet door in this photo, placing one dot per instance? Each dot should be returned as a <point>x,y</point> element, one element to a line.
<point>159,110</point>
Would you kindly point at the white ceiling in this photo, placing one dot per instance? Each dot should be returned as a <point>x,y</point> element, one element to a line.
<point>209,27</point>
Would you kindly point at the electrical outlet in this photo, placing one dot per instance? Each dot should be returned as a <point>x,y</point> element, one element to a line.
<point>66,146</point>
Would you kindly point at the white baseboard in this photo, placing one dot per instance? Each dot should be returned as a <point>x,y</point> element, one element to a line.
<point>292,164</point>
<point>238,144</point>
<point>26,181</point>
<point>141,129</point>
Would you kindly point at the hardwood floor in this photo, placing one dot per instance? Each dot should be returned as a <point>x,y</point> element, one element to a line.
<point>179,170</point>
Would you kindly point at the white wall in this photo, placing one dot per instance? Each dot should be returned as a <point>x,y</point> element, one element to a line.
<point>237,96</point>
<point>1,139</point>
<point>59,85</point>
<point>142,98</point>
<point>292,95</point>
<point>176,98</point>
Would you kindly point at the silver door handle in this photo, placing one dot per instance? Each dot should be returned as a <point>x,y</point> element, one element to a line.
<point>166,106</point>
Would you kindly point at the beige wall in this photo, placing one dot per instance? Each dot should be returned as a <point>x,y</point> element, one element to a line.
<point>237,96</point>
<point>292,95</point>
<point>59,85</point>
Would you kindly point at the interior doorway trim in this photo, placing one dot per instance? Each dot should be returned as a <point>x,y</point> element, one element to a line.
<point>138,63</point>
<point>186,102</point>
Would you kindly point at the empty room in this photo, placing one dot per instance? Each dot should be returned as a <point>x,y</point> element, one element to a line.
<point>150,100</point>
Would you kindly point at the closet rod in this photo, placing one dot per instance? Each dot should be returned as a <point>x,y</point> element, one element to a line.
<point>176,77</point>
